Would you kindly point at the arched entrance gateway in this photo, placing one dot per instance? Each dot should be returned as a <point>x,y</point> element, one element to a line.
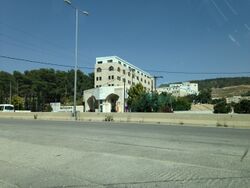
<point>111,101</point>
<point>92,104</point>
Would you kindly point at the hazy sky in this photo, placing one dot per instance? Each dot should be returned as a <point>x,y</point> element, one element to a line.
<point>160,35</point>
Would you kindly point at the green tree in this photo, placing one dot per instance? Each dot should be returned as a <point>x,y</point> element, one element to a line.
<point>165,102</point>
<point>40,87</point>
<point>134,96</point>
<point>243,107</point>
<point>181,104</point>
<point>204,96</point>
<point>18,102</point>
<point>222,107</point>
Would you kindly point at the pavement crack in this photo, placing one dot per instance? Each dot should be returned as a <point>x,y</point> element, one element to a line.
<point>244,155</point>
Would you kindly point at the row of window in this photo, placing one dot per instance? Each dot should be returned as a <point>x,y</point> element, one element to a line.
<point>109,61</point>
<point>111,68</point>
<point>119,78</point>
<point>98,78</point>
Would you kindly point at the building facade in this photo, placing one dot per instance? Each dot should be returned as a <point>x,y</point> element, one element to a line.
<point>113,78</point>
<point>180,90</point>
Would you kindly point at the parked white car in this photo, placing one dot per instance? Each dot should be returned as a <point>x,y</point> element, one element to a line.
<point>7,108</point>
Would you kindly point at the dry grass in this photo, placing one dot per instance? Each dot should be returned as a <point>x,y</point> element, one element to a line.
<point>230,91</point>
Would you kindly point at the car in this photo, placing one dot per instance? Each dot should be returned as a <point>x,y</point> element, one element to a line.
<point>7,108</point>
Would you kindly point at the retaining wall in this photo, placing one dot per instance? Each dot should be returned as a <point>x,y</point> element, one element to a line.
<point>224,120</point>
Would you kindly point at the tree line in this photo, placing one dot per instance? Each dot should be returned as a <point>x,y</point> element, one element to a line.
<point>35,89</point>
<point>141,101</point>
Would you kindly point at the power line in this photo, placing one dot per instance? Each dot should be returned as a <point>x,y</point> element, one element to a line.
<point>58,46</point>
<point>201,73</point>
<point>41,62</point>
<point>148,70</point>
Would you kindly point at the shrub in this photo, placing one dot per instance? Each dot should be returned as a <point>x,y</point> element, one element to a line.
<point>243,107</point>
<point>222,108</point>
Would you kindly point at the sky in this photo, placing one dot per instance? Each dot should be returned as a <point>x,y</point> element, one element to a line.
<point>180,40</point>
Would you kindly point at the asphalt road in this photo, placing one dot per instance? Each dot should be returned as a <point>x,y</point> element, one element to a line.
<point>79,154</point>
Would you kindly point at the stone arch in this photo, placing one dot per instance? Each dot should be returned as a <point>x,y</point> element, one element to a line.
<point>112,99</point>
<point>92,103</point>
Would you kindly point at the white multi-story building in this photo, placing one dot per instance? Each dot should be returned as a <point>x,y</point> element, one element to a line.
<point>180,90</point>
<point>113,77</point>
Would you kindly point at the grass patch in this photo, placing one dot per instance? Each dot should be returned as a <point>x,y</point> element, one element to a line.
<point>109,118</point>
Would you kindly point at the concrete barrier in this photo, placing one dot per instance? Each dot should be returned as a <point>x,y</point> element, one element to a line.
<point>220,120</point>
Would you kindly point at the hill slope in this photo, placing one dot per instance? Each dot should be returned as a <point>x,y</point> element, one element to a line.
<point>219,82</point>
<point>224,87</point>
<point>230,91</point>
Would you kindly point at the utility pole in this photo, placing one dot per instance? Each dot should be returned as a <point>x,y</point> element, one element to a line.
<point>155,79</point>
<point>10,91</point>
<point>124,92</point>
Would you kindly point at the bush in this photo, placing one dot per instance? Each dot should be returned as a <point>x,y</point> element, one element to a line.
<point>181,104</point>
<point>222,107</point>
<point>243,107</point>
<point>108,118</point>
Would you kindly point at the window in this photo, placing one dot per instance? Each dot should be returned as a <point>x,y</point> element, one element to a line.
<point>148,82</point>
<point>118,78</point>
<point>99,62</point>
<point>97,78</point>
<point>128,73</point>
<point>142,74</point>
<point>124,65</point>
<point>124,80</point>
<point>99,69</point>
<point>109,77</point>
<point>112,77</point>
<point>145,81</point>
<point>129,82</point>
<point>119,62</point>
<point>141,80</point>
<point>111,68</point>
<point>124,72</point>
<point>100,78</point>
<point>118,69</point>
<point>110,61</point>
<point>137,77</point>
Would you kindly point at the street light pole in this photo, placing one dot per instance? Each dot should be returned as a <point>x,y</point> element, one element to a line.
<point>76,63</point>
<point>76,52</point>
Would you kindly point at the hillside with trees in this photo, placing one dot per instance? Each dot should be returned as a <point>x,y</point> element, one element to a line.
<point>35,89</point>
<point>224,87</point>
<point>219,82</point>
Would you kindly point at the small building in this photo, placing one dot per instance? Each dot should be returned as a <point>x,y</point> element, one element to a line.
<point>180,90</point>
<point>113,78</point>
<point>236,99</point>
<point>57,107</point>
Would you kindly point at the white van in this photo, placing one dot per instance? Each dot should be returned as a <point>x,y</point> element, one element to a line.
<point>7,108</point>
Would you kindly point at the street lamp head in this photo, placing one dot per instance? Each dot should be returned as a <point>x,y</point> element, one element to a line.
<point>85,13</point>
<point>67,1</point>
